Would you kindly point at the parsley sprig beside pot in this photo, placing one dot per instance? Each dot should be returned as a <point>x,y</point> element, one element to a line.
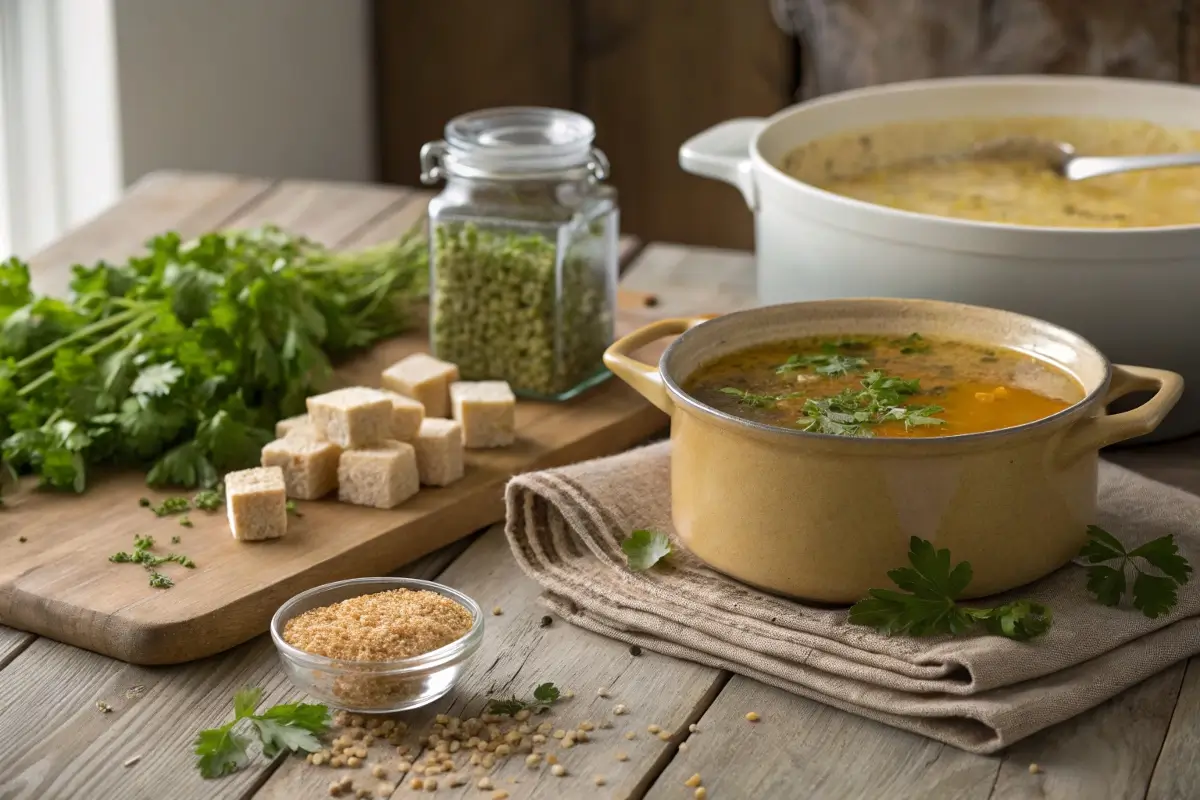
<point>927,603</point>
<point>1153,595</point>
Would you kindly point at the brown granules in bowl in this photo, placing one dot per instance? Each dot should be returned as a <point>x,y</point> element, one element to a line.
<point>383,626</point>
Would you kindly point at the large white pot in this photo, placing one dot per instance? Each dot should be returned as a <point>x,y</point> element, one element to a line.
<point>1134,293</point>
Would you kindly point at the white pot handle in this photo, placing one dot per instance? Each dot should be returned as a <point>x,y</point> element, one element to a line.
<point>723,152</point>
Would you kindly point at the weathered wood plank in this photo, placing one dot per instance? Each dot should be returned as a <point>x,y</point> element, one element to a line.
<point>801,748</point>
<point>517,654</point>
<point>1177,772</point>
<point>57,743</point>
<point>652,74</point>
<point>12,642</point>
<point>190,203</point>
<point>1108,752</point>
<point>327,212</point>
<point>681,281</point>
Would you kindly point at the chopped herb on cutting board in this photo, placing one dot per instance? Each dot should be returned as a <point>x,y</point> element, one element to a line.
<point>141,555</point>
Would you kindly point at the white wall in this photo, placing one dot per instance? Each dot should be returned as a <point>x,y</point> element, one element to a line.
<point>272,88</point>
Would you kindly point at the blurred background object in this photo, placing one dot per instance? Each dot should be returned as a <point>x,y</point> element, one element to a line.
<point>97,93</point>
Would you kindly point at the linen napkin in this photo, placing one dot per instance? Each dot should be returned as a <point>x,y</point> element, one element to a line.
<point>979,693</point>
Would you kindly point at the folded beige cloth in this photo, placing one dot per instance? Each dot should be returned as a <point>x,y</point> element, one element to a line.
<point>980,693</point>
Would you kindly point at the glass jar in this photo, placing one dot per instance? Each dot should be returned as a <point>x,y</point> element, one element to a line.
<point>523,250</point>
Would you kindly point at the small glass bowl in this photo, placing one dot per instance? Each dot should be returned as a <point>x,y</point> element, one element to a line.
<point>375,687</point>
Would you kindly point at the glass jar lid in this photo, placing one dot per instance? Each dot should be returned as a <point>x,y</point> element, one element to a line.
<point>515,143</point>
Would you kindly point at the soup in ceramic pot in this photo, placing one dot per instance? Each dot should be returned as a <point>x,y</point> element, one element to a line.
<point>870,385</point>
<point>899,165</point>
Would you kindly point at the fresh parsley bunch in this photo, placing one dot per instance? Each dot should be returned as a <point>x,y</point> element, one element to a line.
<point>927,603</point>
<point>291,726</point>
<point>184,357</point>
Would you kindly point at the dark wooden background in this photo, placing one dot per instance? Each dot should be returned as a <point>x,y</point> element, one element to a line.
<point>651,73</point>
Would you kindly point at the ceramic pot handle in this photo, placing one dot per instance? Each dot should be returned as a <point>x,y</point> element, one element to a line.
<point>644,378</point>
<point>1096,432</point>
<point>723,152</point>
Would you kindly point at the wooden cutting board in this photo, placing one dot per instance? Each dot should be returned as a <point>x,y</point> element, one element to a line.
<point>56,580</point>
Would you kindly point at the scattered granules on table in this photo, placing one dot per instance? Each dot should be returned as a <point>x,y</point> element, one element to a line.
<point>383,626</point>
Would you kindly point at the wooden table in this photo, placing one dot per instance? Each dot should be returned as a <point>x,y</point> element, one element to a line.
<point>56,743</point>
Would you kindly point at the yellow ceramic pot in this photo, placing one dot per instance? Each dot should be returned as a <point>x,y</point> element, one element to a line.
<point>825,517</point>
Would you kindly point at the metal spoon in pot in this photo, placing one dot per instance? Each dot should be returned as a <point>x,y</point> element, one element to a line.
<point>1060,157</point>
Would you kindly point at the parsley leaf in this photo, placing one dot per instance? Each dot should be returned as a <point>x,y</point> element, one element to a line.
<point>913,343</point>
<point>210,499</point>
<point>756,400</point>
<point>643,549</point>
<point>928,606</point>
<point>1153,595</point>
<point>277,737</point>
<point>287,727</point>
<point>245,700</point>
<point>545,695</point>
<point>156,380</point>
<point>831,365</point>
<point>309,716</point>
<point>160,581</point>
<point>222,751</point>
